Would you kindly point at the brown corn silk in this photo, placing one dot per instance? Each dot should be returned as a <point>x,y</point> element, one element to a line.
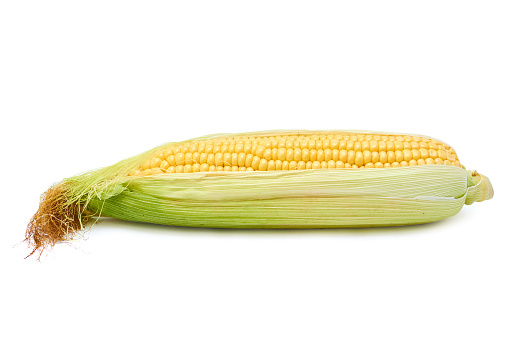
<point>275,192</point>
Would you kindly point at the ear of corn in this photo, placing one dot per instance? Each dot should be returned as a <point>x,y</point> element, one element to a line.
<point>273,179</point>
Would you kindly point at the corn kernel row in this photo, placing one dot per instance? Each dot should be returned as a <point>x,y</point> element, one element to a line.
<point>249,146</point>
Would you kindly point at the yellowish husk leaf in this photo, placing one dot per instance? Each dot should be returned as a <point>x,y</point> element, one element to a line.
<point>296,199</point>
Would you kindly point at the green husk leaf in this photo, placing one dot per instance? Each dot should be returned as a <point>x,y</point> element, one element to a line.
<point>295,199</point>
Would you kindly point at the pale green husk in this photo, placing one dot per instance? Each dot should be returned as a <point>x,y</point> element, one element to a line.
<point>294,199</point>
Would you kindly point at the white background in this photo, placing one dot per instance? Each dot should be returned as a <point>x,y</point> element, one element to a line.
<point>86,84</point>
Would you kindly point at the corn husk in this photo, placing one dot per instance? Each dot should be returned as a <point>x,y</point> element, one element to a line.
<point>296,199</point>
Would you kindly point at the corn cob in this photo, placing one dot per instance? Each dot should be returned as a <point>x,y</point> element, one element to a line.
<point>273,179</point>
<point>297,152</point>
